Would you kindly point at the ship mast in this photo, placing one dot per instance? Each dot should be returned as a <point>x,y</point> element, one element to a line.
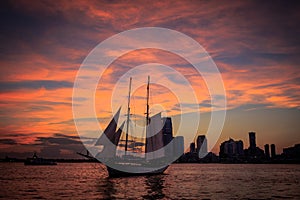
<point>128,116</point>
<point>147,113</point>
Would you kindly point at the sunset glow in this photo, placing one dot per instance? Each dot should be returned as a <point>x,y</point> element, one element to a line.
<point>44,43</point>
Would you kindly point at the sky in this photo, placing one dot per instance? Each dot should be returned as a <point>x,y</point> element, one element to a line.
<point>254,44</point>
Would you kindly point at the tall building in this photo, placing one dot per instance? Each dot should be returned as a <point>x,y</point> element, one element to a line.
<point>253,153</point>
<point>178,146</point>
<point>239,147</point>
<point>273,151</point>
<point>292,153</point>
<point>267,151</point>
<point>201,146</point>
<point>252,140</point>
<point>231,149</point>
<point>192,147</point>
<point>167,130</point>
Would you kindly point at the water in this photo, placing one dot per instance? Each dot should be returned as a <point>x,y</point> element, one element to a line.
<point>182,181</point>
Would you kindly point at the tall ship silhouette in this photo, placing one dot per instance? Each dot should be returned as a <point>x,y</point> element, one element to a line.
<point>154,160</point>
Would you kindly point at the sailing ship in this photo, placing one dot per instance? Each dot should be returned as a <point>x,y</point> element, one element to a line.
<point>129,165</point>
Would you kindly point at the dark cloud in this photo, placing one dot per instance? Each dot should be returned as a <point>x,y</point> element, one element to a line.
<point>77,99</point>
<point>258,106</point>
<point>66,136</point>
<point>15,134</point>
<point>51,103</point>
<point>57,140</point>
<point>35,102</point>
<point>282,84</point>
<point>48,147</point>
<point>43,25</point>
<point>36,84</point>
<point>8,141</point>
<point>38,108</point>
<point>50,152</point>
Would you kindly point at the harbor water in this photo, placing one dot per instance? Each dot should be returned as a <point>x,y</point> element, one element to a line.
<point>180,181</point>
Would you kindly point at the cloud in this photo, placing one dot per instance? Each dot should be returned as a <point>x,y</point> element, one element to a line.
<point>8,141</point>
<point>56,146</point>
<point>37,84</point>
<point>254,45</point>
<point>56,140</point>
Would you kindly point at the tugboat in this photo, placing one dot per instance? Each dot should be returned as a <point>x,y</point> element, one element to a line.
<point>35,160</point>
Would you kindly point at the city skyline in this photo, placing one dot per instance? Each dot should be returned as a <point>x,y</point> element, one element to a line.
<point>254,45</point>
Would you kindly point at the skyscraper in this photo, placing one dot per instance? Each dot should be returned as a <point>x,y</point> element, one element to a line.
<point>178,146</point>
<point>231,149</point>
<point>252,140</point>
<point>239,147</point>
<point>273,151</point>
<point>254,153</point>
<point>167,130</point>
<point>201,146</point>
<point>267,151</point>
<point>192,147</point>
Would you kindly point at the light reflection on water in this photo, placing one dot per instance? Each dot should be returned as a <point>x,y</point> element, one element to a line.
<point>181,181</point>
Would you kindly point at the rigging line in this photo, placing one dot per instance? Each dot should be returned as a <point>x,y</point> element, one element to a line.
<point>151,102</point>
<point>132,136</point>
<point>128,114</point>
<point>134,117</point>
<point>134,111</point>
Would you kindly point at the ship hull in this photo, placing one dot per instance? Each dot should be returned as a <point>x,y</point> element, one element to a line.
<point>117,173</point>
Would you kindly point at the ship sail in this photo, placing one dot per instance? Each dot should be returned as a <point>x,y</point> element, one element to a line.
<point>154,140</point>
<point>118,134</point>
<point>110,136</point>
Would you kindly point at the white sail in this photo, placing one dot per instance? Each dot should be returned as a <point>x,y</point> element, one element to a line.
<point>154,140</point>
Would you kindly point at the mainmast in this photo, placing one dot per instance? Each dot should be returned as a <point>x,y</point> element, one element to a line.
<point>128,116</point>
<point>147,114</point>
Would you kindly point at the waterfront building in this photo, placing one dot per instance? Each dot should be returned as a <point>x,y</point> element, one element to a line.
<point>192,148</point>
<point>252,140</point>
<point>231,150</point>
<point>240,148</point>
<point>273,151</point>
<point>178,146</point>
<point>254,153</point>
<point>292,153</point>
<point>167,130</point>
<point>201,146</point>
<point>267,151</point>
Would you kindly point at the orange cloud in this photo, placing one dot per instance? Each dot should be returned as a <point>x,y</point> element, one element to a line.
<point>254,48</point>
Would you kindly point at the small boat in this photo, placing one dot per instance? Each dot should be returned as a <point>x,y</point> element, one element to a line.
<point>127,165</point>
<point>35,160</point>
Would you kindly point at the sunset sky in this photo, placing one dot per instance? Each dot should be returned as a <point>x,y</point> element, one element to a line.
<point>254,44</point>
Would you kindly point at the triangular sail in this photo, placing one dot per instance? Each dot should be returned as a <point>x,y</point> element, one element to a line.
<point>109,151</point>
<point>110,139</point>
<point>154,143</point>
<point>110,130</point>
<point>117,136</point>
